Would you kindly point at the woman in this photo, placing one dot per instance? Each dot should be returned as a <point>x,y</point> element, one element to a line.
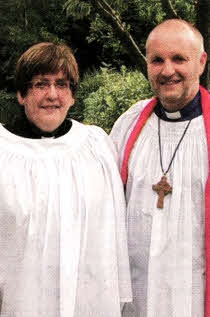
<point>62,238</point>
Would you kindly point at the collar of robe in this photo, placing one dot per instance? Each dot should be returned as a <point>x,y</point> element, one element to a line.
<point>24,128</point>
<point>189,112</point>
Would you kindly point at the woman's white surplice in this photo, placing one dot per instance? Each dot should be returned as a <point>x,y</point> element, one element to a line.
<point>63,249</point>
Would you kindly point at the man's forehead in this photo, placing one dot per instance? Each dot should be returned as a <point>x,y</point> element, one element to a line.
<point>172,30</point>
<point>171,40</point>
<point>172,26</point>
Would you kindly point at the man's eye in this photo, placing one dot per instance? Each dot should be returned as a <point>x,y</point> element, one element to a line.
<point>179,59</point>
<point>157,60</point>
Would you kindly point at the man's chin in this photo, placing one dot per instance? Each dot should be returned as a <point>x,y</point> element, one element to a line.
<point>171,102</point>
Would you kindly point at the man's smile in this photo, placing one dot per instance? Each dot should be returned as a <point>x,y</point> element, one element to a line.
<point>170,82</point>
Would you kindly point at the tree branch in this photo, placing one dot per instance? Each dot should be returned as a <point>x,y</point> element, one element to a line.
<point>120,30</point>
<point>169,9</point>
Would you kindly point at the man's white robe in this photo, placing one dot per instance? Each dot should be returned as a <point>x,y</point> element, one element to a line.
<point>166,246</point>
<point>63,250</point>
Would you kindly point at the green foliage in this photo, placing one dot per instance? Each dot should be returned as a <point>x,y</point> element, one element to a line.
<point>110,94</point>
<point>145,11</point>
<point>111,48</point>
<point>9,107</point>
<point>138,16</point>
<point>24,23</point>
<point>90,83</point>
<point>77,9</point>
<point>186,9</point>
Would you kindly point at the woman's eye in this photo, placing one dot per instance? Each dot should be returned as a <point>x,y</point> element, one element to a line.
<point>41,85</point>
<point>62,85</point>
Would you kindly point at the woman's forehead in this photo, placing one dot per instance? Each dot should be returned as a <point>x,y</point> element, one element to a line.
<point>51,76</point>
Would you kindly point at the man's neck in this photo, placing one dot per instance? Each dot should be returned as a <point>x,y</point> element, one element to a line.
<point>192,110</point>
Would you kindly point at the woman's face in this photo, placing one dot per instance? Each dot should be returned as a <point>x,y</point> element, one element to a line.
<point>47,101</point>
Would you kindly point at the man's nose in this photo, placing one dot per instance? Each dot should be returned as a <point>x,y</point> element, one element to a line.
<point>167,69</point>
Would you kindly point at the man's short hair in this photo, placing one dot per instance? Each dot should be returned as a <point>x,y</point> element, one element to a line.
<point>45,58</point>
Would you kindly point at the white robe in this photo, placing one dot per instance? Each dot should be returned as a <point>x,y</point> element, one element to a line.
<point>166,246</point>
<point>63,250</point>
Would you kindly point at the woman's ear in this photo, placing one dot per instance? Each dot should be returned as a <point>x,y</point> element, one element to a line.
<point>21,100</point>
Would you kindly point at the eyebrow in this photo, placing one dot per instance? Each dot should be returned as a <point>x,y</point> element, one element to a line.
<point>48,80</point>
<point>173,55</point>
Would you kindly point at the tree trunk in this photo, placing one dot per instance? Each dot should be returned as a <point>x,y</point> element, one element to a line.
<point>203,24</point>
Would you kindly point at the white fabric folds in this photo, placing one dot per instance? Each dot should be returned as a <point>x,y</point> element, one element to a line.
<point>63,250</point>
<point>166,246</point>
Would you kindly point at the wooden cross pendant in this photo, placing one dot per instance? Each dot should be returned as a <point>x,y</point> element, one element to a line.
<point>162,188</point>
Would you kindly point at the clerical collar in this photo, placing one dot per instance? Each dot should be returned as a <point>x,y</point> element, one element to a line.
<point>189,112</point>
<point>24,128</point>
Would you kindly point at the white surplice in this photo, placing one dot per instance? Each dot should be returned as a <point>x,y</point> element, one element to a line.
<point>63,249</point>
<point>166,246</point>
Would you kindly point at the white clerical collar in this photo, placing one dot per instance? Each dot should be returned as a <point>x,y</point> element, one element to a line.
<point>173,115</point>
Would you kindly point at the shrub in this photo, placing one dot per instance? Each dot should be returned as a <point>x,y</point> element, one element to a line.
<point>113,94</point>
<point>90,83</point>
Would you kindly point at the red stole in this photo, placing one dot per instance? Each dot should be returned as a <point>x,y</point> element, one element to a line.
<point>205,101</point>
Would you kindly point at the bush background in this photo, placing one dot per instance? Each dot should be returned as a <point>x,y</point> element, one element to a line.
<point>109,48</point>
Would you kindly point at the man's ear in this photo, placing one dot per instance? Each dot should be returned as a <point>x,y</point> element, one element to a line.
<point>203,61</point>
<point>21,100</point>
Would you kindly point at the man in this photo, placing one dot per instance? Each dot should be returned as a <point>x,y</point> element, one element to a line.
<point>62,238</point>
<point>164,145</point>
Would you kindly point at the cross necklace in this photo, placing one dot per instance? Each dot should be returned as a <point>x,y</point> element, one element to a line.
<point>162,187</point>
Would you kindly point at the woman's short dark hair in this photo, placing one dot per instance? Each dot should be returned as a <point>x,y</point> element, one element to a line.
<point>45,58</point>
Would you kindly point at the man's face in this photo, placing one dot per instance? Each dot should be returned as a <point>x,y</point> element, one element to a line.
<point>47,101</point>
<point>175,63</point>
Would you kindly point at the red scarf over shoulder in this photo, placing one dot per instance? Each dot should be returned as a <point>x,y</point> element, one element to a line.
<point>205,101</point>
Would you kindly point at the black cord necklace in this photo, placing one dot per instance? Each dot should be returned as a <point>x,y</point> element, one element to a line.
<point>162,187</point>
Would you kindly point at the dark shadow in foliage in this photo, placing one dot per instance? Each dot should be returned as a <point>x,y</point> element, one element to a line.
<point>10,109</point>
